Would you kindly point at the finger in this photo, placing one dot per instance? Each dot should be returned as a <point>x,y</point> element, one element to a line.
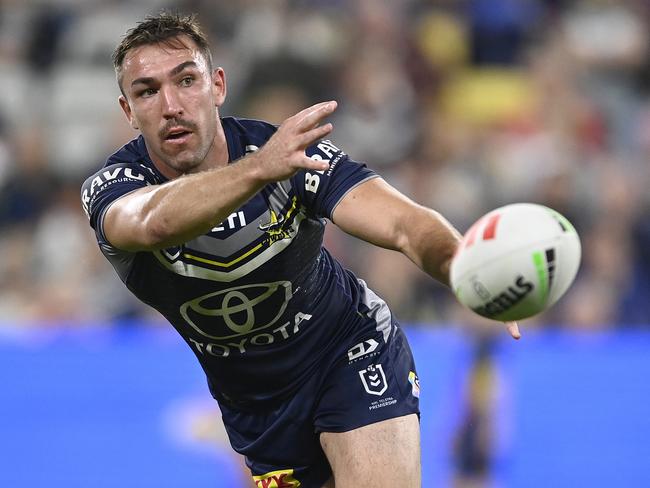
<point>314,135</point>
<point>314,164</point>
<point>311,108</point>
<point>312,116</point>
<point>513,330</point>
<point>295,119</point>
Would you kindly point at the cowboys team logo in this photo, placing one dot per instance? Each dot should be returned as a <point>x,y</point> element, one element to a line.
<point>374,379</point>
<point>237,311</point>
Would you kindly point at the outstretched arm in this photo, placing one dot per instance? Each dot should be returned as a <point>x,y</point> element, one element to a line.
<point>161,216</point>
<point>376,212</point>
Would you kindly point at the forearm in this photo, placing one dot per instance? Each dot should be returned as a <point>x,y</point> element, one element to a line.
<point>430,241</point>
<point>377,213</point>
<point>162,216</point>
<point>193,204</point>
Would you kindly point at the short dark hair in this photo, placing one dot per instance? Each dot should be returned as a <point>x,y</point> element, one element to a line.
<point>165,27</point>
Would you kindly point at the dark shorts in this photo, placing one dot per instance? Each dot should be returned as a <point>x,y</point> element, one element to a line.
<point>370,381</point>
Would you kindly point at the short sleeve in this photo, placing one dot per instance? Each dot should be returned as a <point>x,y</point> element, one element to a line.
<point>106,186</point>
<point>321,191</point>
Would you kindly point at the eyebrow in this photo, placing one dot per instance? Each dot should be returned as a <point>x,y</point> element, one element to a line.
<point>147,80</point>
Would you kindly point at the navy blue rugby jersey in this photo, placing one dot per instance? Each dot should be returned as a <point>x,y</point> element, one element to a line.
<point>258,299</point>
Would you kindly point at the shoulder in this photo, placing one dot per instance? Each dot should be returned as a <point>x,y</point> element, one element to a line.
<point>251,132</point>
<point>249,126</point>
<point>125,170</point>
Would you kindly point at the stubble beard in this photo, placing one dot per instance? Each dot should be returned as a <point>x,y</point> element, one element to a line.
<point>188,160</point>
<point>184,163</point>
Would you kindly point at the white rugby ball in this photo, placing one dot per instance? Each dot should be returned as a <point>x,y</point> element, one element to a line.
<point>515,262</point>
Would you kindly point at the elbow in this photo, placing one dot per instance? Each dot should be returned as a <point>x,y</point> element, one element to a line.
<point>158,234</point>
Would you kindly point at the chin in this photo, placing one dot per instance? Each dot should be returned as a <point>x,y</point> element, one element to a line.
<point>187,167</point>
<point>185,164</point>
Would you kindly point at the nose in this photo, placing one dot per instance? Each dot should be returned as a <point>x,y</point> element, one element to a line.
<point>171,104</point>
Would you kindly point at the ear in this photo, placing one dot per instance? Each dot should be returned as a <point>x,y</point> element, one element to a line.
<point>219,86</point>
<point>126,108</point>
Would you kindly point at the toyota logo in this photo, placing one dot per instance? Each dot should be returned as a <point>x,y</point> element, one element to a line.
<point>233,312</point>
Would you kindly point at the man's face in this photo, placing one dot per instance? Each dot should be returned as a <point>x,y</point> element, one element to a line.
<point>172,98</point>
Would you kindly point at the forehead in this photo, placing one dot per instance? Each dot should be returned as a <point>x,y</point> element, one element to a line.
<point>156,60</point>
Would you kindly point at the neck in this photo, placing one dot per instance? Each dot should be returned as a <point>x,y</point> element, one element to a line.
<point>218,155</point>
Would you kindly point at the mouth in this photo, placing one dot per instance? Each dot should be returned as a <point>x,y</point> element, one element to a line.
<point>177,136</point>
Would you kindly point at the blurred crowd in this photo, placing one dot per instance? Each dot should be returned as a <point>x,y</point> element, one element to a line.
<point>464,105</point>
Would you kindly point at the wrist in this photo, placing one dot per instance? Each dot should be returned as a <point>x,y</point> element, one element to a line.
<point>254,169</point>
<point>445,268</point>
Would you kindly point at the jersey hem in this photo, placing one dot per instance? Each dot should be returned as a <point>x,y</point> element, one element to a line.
<point>100,223</point>
<point>358,425</point>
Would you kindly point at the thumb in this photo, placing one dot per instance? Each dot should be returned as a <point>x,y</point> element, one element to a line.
<point>513,330</point>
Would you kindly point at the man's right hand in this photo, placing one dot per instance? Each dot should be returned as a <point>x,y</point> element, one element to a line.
<point>160,216</point>
<point>284,153</point>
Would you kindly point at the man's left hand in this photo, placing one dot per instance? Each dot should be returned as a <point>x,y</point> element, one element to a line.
<point>513,330</point>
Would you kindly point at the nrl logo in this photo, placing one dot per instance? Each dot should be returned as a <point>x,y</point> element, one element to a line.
<point>374,379</point>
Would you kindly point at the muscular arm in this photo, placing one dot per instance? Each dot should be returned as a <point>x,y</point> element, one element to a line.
<point>165,215</point>
<point>376,212</point>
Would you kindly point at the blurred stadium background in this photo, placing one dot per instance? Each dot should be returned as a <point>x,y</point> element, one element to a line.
<point>464,105</point>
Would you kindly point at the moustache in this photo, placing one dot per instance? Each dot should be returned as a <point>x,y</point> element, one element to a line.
<point>176,123</point>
